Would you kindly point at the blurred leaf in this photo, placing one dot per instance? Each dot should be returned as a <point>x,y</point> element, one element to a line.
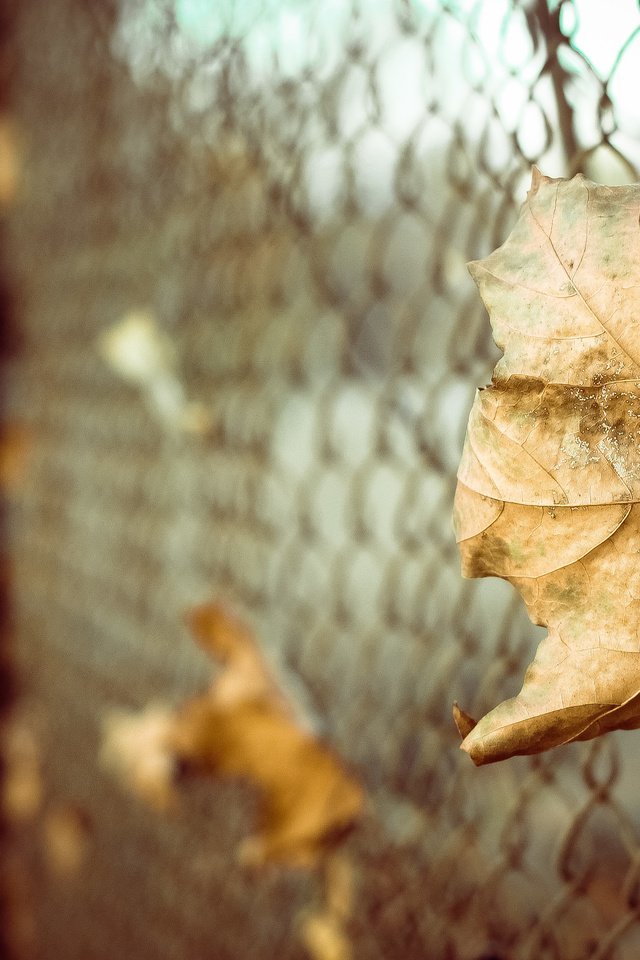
<point>245,727</point>
<point>323,928</point>
<point>136,748</point>
<point>66,840</point>
<point>22,787</point>
<point>246,675</point>
<point>324,938</point>
<point>137,349</point>
<point>10,160</point>
<point>142,354</point>
<point>16,443</point>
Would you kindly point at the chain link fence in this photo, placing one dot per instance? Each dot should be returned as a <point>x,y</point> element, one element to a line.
<point>292,190</point>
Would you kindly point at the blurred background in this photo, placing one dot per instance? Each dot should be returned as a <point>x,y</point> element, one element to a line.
<point>239,349</point>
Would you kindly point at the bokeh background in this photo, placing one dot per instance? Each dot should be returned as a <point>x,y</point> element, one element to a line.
<point>240,345</point>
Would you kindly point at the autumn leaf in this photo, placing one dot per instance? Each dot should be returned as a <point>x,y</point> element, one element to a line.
<point>548,492</point>
<point>324,937</point>
<point>136,748</point>
<point>323,927</point>
<point>66,837</point>
<point>21,792</point>
<point>138,351</point>
<point>11,149</point>
<point>16,443</point>
<point>246,675</point>
<point>245,727</point>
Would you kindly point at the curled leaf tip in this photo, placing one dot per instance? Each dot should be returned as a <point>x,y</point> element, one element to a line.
<point>472,267</point>
<point>463,721</point>
<point>537,178</point>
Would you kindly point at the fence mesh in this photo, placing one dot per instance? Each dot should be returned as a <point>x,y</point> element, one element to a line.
<point>292,190</point>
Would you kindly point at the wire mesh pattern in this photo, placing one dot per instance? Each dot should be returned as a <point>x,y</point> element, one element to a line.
<point>292,189</point>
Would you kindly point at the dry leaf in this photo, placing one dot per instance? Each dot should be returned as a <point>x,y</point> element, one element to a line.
<point>306,794</point>
<point>16,442</point>
<point>246,675</point>
<point>66,840</point>
<point>549,482</point>
<point>245,727</point>
<point>10,160</point>
<point>22,787</point>
<point>136,748</point>
<point>323,928</point>
<point>339,884</point>
<point>138,350</point>
<point>323,936</point>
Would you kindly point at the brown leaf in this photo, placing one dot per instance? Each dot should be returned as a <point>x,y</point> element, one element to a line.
<point>22,787</point>
<point>306,794</point>
<point>141,353</point>
<point>245,727</point>
<point>136,748</point>
<point>246,675</point>
<point>463,721</point>
<point>10,160</point>
<point>66,840</point>
<point>549,481</point>
<point>323,929</point>
<point>16,442</point>
<point>324,937</point>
